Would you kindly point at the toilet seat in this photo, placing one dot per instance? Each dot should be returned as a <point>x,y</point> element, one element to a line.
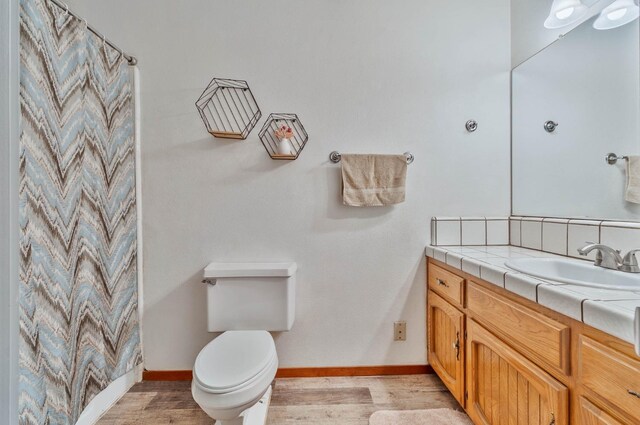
<point>234,360</point>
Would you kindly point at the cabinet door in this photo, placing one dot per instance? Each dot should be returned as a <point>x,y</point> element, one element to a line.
<point>592,415</point>
<point>506,388</point>
<point>446,346</point>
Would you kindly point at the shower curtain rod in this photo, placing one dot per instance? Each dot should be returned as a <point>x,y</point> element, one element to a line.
<point>131,59</point>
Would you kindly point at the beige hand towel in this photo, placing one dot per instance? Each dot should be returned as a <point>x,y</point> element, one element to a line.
<point>373,180</point>
<point>633,180</point>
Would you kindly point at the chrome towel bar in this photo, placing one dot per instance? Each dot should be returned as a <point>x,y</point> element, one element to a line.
<point>613,158</point>
<point>335,157</point>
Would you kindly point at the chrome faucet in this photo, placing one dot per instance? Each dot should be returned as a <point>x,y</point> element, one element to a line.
<point>630,262</point>
<point>606,256</point>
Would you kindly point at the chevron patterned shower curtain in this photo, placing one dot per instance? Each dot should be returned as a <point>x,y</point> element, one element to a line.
<point>79,323</point>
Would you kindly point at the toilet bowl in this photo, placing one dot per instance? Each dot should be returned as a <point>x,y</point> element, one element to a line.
<point>233,373</point>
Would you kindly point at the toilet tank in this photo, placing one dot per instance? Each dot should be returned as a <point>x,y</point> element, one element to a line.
<point>250,296</point>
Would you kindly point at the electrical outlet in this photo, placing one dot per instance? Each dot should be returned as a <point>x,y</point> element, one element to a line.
<point>400,331</point>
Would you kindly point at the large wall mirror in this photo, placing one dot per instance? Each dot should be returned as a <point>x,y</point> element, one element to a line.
<point>587,81</point>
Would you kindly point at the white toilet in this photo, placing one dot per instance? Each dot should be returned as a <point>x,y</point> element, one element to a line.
<point>232,375</point>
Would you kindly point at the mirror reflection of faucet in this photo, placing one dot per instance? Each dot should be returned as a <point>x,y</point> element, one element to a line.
<point>610,258</point>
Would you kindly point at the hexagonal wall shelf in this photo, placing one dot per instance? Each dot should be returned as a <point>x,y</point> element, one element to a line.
<point>283,136</point>
<point>228,109</point>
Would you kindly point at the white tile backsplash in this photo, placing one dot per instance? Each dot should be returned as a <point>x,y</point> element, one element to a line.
<point>564,237</point>
<point>497,232</point>
<point>554,236</point>
<point>469,231</point>
<point>531,233</point>
<point>514,231</point>
<point>622,236</point>
<point>448,232</point>
<point>580,234</point>
<point>433,232</point>
<point>474,232</point>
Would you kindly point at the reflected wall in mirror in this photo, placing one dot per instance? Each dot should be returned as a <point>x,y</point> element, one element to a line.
<point>528,32</point>
<point>588,82</point>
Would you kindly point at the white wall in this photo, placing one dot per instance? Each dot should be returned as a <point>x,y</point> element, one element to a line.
<point>8,211</point>
<point>364,76</point>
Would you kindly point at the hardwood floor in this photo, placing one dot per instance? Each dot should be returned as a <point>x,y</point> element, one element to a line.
<point>301,401</point>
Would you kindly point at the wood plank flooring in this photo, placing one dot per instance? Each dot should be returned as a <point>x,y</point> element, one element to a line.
<point>301,401</point>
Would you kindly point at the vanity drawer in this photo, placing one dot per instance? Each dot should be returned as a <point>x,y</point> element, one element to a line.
<point>590,414</point>
<point>447,284</point>
<point>536,336</point>
<point>610,375</point>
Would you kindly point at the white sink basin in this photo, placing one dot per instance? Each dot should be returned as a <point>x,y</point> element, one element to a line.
<point>576,272</point>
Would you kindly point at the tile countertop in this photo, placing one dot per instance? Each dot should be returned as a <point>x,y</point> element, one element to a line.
<point>611,311</point>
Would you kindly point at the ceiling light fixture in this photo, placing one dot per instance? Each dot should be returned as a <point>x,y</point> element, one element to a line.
<point>564,13</point>
<point>617,14</point>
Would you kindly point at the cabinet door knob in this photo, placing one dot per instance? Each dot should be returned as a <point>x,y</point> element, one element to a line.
<point>634,393</point>
<point>442,283</point>
<point>456,345</point>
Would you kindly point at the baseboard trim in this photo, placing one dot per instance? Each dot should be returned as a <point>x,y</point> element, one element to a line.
<point>316,372</point>
<point>305,372</point>
<point>167,375</point>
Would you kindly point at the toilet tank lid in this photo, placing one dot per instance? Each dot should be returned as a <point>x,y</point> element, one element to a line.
<point>216,270</point>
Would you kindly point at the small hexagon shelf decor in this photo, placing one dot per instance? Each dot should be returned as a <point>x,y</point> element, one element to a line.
<point>228,109</point>
<point>283,136</point>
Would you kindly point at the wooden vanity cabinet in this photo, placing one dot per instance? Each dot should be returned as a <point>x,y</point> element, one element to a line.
<point>592,415</point>
<point>446,344</point>
<point>508,360</point>
<point>504,387</point>
<point>447,284</point>
<point>609,377</point>
<point>546,340</point>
